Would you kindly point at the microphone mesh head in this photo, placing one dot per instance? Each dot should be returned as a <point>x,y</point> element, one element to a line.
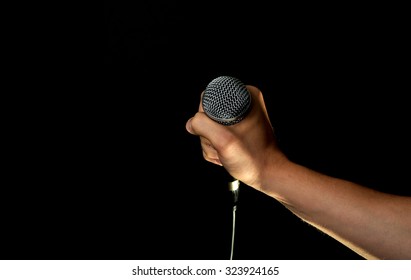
<point>226,100</point>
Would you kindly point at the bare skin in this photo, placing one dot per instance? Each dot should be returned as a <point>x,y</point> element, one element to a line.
<point>376,225</point>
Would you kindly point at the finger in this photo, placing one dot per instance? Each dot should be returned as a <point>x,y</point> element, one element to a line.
<point>188,126</point>
<point>209,153</point>
<point>200,107</point>
<point>203,126</point>
<point>258,100</point>
<point>212,160</point>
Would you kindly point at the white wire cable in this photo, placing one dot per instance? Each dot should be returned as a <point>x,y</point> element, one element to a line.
<point>233,233</point>
<point>234,187</point>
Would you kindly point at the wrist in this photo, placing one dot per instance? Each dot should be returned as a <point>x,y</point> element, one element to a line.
<point>272,172</point>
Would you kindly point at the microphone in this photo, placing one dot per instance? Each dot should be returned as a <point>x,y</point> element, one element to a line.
<point>227,101</point>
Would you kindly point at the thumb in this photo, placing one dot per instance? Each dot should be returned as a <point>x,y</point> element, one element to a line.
<point>202,125</point>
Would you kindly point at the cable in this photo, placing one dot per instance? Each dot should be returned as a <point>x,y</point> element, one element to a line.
<point>233,232</point>
<point>234,188</point>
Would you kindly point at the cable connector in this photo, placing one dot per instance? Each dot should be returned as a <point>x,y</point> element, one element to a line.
<point>234,187</point>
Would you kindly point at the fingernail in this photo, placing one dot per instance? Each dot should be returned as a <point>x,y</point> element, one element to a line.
<point>188,126</point>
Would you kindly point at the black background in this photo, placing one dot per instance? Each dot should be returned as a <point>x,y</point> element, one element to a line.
<point>333,84</point>
<point>126,181</point>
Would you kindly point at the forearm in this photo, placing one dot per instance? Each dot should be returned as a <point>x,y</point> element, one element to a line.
<point>374,224</point>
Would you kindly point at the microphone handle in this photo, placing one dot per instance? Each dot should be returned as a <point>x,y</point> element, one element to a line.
<point>234,187</point>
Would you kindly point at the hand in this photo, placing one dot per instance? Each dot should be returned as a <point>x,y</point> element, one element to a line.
<point>246,148</point>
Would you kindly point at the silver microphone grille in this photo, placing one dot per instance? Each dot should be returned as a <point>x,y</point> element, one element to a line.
<point>226,100</point>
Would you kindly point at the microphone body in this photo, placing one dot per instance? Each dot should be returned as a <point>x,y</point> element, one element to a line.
<point>227,101</point>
